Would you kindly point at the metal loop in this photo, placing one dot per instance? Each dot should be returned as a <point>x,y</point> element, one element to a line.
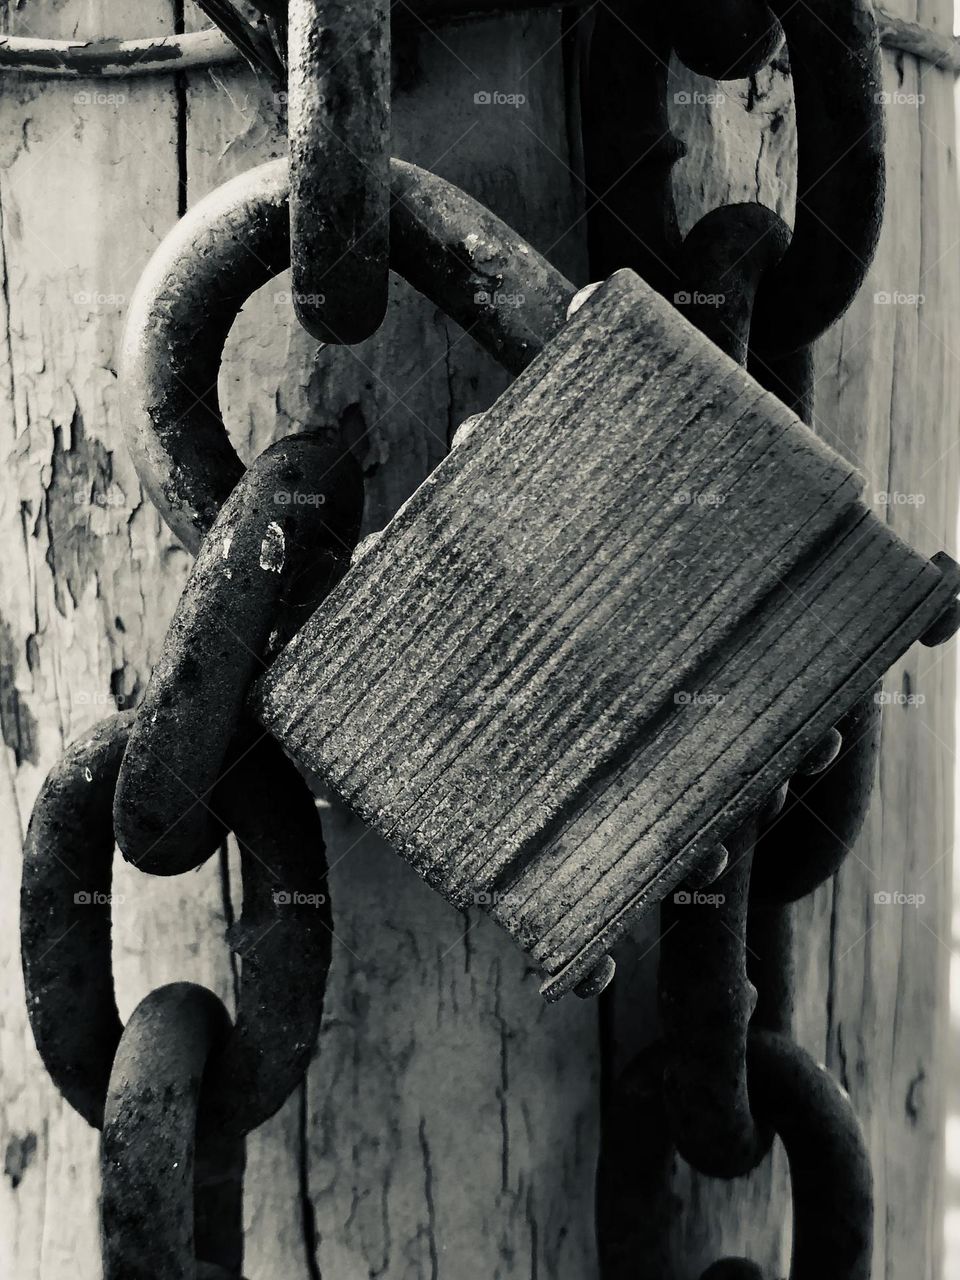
<point>281,541</point>
<point>447,245</point>
<point>806,842</point>
<point>830,1176</point>
<point>65,917</point>
<point>706,1001</point>
<point>722,262</point>
<point>171,1191</point>
<point>283,935</point>
<point>835,63</point>
<point>725,39</point>
<point>339,133</point>
<point>830,1173</point>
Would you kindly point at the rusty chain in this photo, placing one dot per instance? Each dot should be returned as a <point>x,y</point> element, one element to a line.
<point>176,1090</point>
<point>725,1077</point>
<point>169,781</point>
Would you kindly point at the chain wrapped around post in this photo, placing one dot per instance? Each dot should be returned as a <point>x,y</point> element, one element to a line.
<point>445,243</point>
<point>718,1079</point>
<point>170,780</point>
<point>278,545</point>
<point>66,929</point>
<point>810,1113</point>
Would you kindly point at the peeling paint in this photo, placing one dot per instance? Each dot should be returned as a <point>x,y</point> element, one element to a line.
<point>79,493</point>
<point>18,726</point>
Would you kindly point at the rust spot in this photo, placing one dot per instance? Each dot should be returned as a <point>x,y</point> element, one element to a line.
<point>913,1103</point>
<point>19,1157</point>
<point>18,726</point>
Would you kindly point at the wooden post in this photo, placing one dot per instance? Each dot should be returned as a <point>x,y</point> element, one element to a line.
<point>448,1127</point>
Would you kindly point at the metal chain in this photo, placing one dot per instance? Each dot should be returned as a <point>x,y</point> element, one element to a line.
<point>726,1077</point>
<point>170,780</point>
<point>160,1148</point>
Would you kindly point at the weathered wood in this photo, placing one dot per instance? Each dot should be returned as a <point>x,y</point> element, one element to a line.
<point>154,54</point>
<point>90,577</point>
<point>609,625</point>
<point>940,48</point>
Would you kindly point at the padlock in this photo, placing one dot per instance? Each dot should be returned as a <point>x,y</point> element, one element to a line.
<point>608,626</point>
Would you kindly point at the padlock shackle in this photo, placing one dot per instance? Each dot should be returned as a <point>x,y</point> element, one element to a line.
<point>448,245</point>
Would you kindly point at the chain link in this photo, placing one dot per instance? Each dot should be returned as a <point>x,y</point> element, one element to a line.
<point>159,1150</point>
<point>339,132</point>
<point>279,544</point>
